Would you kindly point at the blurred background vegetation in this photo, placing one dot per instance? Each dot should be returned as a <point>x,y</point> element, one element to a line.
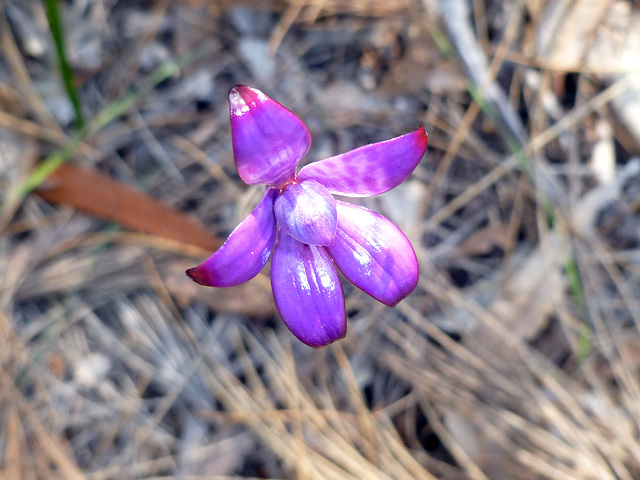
<point>517,357</point>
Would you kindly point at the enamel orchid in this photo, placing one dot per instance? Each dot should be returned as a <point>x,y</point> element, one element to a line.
<point>308,230</point>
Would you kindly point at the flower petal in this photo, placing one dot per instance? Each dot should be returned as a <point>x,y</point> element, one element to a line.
<point>372,169</point>
<point>374,254</point>
<point>307,212</point>
<point>307,292</point>
<point>268,140</point>
<point>245,252</point>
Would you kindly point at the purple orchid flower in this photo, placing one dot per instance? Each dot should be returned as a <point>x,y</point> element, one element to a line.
<point>315,233</point>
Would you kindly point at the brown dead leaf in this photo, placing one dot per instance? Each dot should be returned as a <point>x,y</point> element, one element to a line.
<point>106,198</point>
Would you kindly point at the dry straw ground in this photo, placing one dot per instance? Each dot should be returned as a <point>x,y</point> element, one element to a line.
<point>518,355</point>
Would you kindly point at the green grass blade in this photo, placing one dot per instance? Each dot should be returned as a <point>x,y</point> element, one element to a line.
<point>577,292</point>
<point>54,17</point>
<point>104,117</point>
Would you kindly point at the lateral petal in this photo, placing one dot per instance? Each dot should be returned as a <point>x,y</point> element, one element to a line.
<point>374,254</point>
<point>307,292</point>
<point>268,140</point>
<point>372,169</point>
<point>245,252</point>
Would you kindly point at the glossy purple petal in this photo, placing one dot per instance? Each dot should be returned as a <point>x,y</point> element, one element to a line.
<point>245,252</point>
<point>268,140</point>
<point>374,254</point>
<point>372,169</point>
<point>307,292</point>
<point>307,212</point>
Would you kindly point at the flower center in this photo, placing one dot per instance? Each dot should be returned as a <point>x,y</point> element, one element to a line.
<point>307,212</point>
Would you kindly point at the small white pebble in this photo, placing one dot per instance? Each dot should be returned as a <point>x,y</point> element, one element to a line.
<point>89,371</point>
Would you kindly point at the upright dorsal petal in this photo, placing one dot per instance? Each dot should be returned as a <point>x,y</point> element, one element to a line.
<point>268,140</point>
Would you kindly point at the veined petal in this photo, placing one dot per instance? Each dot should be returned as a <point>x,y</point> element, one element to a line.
<point>307,292</point>
<point>307,212</point>
<point>372,169</point>
<point>245,252</point>
<point>268,140</point>
<point>374,254</point>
